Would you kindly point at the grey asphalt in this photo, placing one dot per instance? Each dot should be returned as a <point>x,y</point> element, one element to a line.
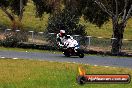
<point>92,60</point>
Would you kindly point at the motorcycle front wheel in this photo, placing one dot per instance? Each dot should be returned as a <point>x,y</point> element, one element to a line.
<point>66,54</point>
<point>81,55</point>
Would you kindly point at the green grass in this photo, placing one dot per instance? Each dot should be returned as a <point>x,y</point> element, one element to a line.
<point>29,50</point>
<point>44,74</point>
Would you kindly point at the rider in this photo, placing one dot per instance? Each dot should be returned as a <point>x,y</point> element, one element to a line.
<point>62,37</point>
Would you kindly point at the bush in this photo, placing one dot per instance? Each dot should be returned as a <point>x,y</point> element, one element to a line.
<point>13,38</point>
<point>66,20</point>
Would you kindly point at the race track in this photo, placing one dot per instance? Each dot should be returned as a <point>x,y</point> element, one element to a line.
<point>93,60</point>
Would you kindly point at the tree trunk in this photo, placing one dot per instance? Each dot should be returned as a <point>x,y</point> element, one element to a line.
<point>11,17</point>
<point>117,36</point>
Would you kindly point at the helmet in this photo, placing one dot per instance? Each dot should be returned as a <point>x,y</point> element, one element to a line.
<point>62,32</point>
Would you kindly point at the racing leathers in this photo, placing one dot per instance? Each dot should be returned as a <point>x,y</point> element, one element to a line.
<point>61,39</point>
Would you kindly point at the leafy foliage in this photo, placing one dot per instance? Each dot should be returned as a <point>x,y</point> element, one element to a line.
<point>111,5</point>
<point>13,38</point>
<point>48,6</point>
<point>13,5</point>
<point>66,20</point>
<point>41,7</point>
<point>93,14</point>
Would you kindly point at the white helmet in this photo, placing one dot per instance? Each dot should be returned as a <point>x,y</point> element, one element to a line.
<point>62,31</point>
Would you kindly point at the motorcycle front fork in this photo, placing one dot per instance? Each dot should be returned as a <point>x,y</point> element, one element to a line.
<point>75,50</point>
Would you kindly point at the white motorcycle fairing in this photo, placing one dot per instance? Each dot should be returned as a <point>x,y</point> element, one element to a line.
<point>70,43</point>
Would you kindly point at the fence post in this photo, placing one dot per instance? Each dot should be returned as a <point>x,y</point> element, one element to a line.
<point>89,41</point>
<point>52,36</point>
<point>32,35</point>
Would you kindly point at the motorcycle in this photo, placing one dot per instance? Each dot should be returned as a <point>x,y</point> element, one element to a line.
<point>71,48</point>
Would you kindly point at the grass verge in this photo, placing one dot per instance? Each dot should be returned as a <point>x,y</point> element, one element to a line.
<point>43,74</point>
<point>28,50</point>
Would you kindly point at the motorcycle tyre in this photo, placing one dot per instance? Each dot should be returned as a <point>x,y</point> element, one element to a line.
<point>66,54</point>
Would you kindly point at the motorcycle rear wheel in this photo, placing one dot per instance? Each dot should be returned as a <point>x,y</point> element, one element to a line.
<point>66,54</point>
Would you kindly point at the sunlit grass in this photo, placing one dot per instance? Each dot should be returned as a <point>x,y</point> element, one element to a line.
<point>44,74</point>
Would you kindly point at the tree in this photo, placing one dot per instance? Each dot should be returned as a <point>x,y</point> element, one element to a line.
<point>49,6</point>
<point>66,20</point>
<point>13,8</point>
<point>118,11</point>
<point>63,15</point>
